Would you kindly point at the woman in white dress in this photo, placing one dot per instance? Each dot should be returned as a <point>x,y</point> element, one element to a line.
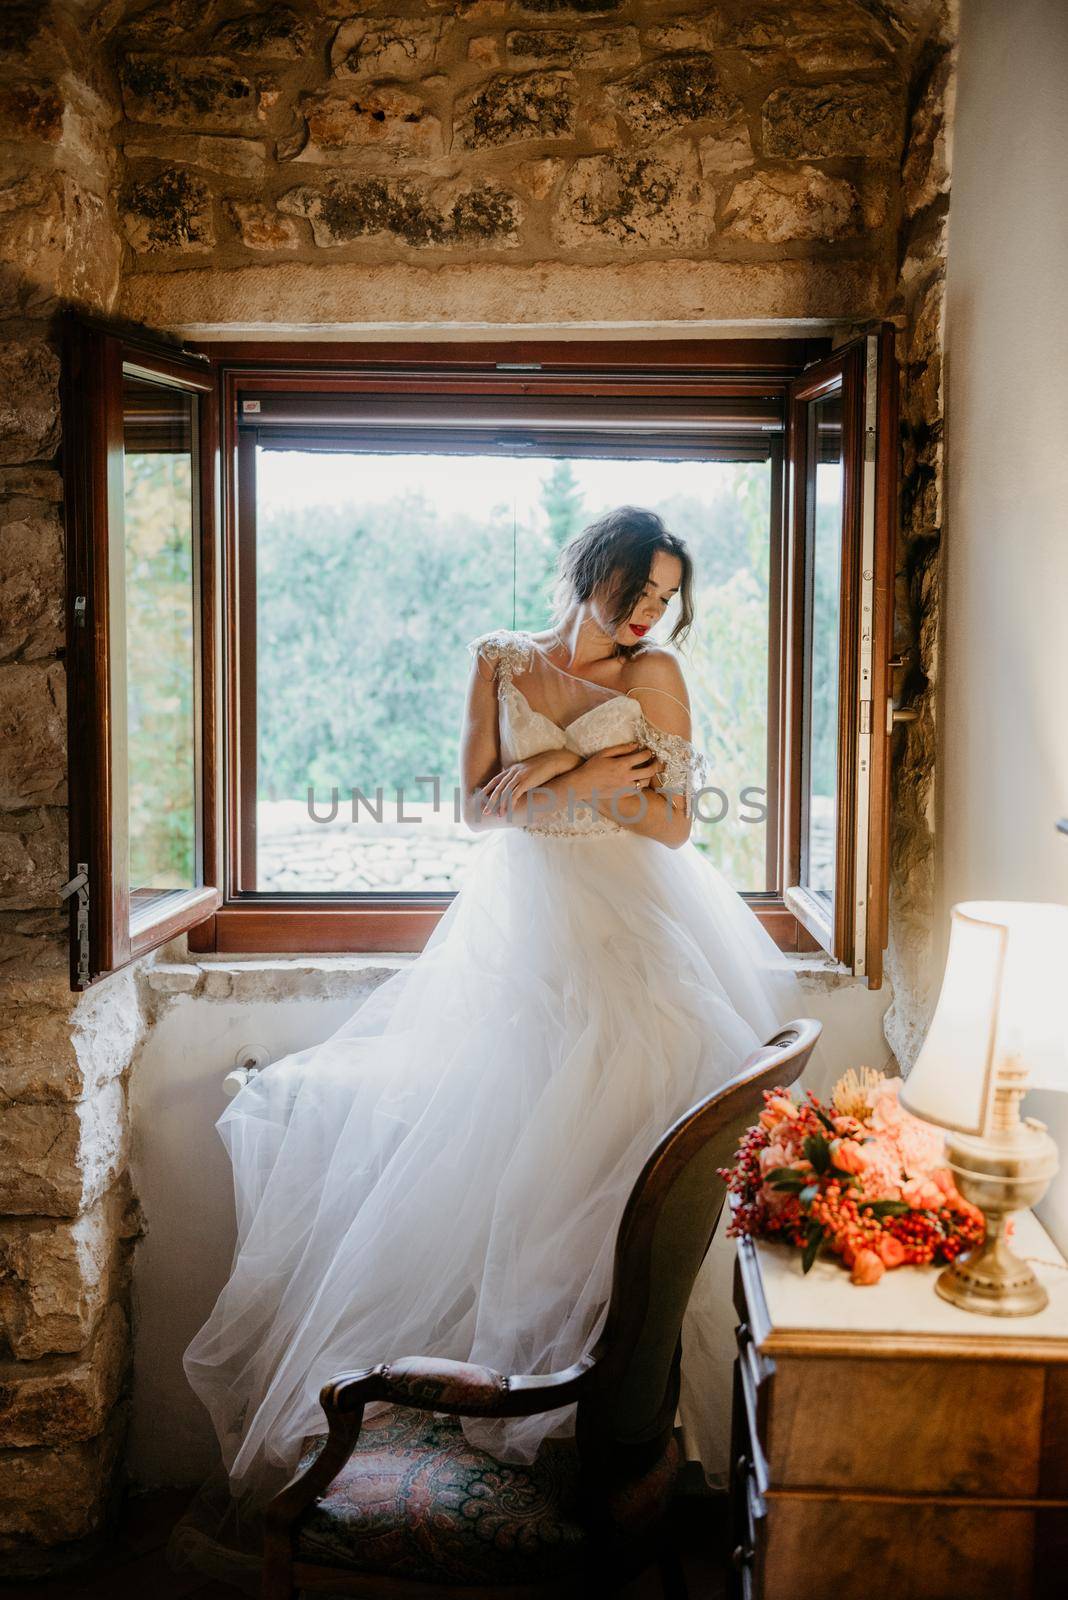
<point>444,1175</point>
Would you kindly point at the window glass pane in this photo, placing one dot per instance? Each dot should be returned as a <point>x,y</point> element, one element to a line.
<point>372,571</point>
<point>823,632</point>
<point>159,575</point>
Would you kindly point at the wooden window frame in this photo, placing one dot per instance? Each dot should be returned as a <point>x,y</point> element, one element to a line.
<point>104,934</point>
<point>228,920</point>
<point>855,932</point>
<point>727,370</point>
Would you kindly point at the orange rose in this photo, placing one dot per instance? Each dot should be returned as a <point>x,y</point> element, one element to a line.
<point>847,1156</point>
<point>867,1268</point>
<point>778,1109</point>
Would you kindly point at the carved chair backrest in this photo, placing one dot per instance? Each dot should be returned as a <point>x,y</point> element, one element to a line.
<point>626,1417</point>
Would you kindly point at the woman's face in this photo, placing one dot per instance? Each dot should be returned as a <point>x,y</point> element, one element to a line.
<point>662,584</point>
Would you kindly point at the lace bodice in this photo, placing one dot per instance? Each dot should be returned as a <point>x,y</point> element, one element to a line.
<point>526,732</point>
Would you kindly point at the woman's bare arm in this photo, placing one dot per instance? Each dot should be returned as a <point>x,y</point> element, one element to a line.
<point>661,692</point>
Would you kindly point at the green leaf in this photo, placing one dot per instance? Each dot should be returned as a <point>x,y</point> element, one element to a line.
<point>809,1193</point>
<point>812,1247</point>
<point>827,1123</point>
<point>818,1151</point>
<point>785,1178</point>
<point>887,1208</point>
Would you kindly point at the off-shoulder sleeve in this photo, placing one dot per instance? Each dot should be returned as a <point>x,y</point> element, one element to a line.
<point>505,651</point>
<point>685,769</point>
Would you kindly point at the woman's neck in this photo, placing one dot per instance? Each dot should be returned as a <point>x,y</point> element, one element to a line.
<point>584,640</point>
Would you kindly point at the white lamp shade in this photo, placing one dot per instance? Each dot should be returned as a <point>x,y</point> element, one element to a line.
<point>1003,1003</point>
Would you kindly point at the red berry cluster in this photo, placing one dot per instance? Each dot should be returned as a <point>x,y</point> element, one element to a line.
<point>809,1205</point>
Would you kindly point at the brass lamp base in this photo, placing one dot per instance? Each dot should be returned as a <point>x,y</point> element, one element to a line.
<point>999,1176</point>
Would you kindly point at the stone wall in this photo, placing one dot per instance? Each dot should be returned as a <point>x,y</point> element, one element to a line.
<point>66,1213</point>
<point>919,308</point>
<point>511,160</point>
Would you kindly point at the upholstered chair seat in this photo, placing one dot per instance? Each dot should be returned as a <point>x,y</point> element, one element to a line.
<point>416,1500</point>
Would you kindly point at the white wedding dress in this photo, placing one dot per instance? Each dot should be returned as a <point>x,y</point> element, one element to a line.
<point>445,1174</point>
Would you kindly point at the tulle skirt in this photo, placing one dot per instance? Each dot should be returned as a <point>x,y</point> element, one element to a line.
<point>445,1174</point>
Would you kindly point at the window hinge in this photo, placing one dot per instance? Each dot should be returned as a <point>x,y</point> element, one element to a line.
<point>79,885</point>
<point>81,605</point>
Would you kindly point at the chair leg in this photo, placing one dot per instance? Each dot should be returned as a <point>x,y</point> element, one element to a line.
<point>672,1576</point>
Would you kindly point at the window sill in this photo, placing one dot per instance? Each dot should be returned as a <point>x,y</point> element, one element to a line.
<point>350,977</point>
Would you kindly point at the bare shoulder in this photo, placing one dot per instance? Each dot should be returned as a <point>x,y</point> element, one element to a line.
<point>656,668</point>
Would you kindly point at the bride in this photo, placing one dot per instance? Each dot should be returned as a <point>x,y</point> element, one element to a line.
<point>445,1174</point>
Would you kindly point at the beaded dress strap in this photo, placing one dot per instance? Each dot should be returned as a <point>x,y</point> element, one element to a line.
<point>507,652</point>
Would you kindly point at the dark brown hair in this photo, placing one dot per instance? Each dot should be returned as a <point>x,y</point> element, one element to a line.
<point>613,556</point>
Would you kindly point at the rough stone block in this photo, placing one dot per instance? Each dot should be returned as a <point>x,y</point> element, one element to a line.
<point>33,858</point>
<point>53,1053</point>
<point>57,245</point>
<point>376,120</point>
<point>171,211</point>
<point>510,108</point>
<point>631,201</point>
<point>60,1399</point>
<point>34,957</point>
<point>385,47</point>
<point>31,111</point>
<point>58,1275</point>
<point>345,210</point>
<point>29,401</point>
<point>726,150</point>
<point>837,53</point>
<point>674,91</point>
<point>167,22</point>
<point>275,32</point>
<point>23,488</point>
<point>925,170</point>
<point>925,334</point>
<point>234,158</point>
<point>566,47</point>
<point>33,734</point>
<point>57,1494</point>
<point>538,178</point>
<point>834,119</point>
<point>192,93</point>
<point>57,1159</point>
<point>261,227</point>
<point>580,8</point>
<point>695,32</point>
<point>803,203</point>
<point>31,585</point>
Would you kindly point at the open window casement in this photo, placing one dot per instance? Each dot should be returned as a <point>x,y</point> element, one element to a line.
<point>839,575</point>
<point>138,473</point>
<point>183,725</point>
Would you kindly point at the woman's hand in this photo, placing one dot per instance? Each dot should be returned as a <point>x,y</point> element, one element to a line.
<point>513,782</point>
<point>618,769</point>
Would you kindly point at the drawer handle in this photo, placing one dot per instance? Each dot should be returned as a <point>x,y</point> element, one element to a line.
<point>742,1557</point>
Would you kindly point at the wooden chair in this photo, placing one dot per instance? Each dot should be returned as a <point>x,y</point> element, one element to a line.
<point>405,1507</point>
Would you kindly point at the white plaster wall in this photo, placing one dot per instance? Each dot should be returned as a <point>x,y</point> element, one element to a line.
<point>181,1174</point>
<point>1005,660</point>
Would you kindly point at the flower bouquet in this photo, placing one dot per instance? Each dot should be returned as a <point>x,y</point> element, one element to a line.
<point>859,1175</point>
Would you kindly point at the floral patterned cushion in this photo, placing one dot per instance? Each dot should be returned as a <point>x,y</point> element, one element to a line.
<point>416,1500</point>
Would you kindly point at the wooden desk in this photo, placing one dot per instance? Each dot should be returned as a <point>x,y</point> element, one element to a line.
<point>888,1446</point>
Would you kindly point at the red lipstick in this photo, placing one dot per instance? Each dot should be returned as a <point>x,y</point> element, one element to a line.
<point>636,628</point>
